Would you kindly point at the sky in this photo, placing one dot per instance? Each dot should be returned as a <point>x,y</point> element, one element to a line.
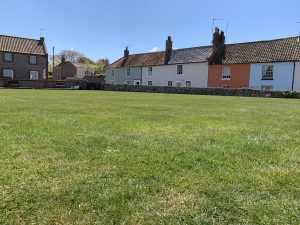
<point>103,28</point>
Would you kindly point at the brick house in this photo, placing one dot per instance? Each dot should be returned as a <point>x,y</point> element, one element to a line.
<point>67,69</point>
<point>23,58</point>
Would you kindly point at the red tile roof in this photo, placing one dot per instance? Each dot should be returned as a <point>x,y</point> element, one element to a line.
<point>22,45</point>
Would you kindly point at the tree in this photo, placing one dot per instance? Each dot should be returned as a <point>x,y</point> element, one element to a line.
<point>71,55</point>
<point>57,60</point>
<point>86,60</point>
<point>101,65</point>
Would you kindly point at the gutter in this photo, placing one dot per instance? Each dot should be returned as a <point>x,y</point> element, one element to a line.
<point>293,81</point>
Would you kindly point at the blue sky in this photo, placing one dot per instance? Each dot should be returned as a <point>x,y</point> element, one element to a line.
<point>101,28</point>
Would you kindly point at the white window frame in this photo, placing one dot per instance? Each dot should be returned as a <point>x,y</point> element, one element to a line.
<point>137,81</point>
<point>150,70</point>
<point>128,72</point>
<point>267,87</point>
<point>268,74</point>
<point>179,69</point>
<point>149,83</point>
<point>35,60</point>
<point>190,83</point>
<point>10,70</point>
<point>225,86</point>
<point>34,75</point>
<point>170,83</point>
<point>113,73</point>
<point>226,73</point>
<point>8,60</point>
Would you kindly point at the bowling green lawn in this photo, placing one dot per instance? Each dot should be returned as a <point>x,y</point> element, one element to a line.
<point>96,157</point>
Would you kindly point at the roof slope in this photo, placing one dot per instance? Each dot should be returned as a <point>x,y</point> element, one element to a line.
<point>187,55</point>
<point>279,50</point>
<point>22,45</point>
<point>191,55</point>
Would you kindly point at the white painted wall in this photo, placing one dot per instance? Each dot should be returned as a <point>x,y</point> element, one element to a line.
<point>197,73</point>
<point>297,77</point>
<point>282,76</point>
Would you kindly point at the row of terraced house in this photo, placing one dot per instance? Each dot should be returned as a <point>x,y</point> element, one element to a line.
<point>266,65</point>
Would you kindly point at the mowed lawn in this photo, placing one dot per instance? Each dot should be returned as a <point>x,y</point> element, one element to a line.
<point>95,157</point>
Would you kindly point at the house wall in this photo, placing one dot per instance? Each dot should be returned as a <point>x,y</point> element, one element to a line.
<point>121,75</point>
<point>282,76</point>
<point>297,77</point>
<point>240,74</point>
<point>22,68</point>
<point>197,73</point>
<point>64,70</point>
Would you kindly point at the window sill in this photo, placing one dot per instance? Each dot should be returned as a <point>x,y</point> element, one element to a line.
<point>226,79</point>
<point>266,79</point>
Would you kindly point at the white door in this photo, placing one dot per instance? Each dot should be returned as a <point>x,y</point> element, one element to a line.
<point>178,83</point>
<point>137,82</point>
<point>34,75</point>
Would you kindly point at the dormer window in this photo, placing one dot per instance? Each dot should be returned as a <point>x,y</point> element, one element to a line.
<point>8,57</point>
<point>32,60</point>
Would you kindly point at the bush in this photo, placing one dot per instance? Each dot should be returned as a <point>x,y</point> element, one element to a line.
<point>290,94</point>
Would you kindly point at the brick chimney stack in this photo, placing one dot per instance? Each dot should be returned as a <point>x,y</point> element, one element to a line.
<point>169,49</point>
<point>218,39</point>
<point>63,58</point>
<point>41,41</point>
<point>126,53</point>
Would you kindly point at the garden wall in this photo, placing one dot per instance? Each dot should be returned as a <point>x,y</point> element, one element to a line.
<point>202,91</point>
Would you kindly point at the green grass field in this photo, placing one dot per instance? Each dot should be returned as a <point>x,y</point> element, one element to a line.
<point>93,157</point>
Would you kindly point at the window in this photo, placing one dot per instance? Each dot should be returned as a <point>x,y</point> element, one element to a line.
<point>8,57</point>
<point>113,73</point>
<point>32,60</point>
<point>267,73</point>
<point>149,83</point>
<point>267,87</point>
<point>127,82</point>
<point>128,72</point>
<point>170,83</point>
<point>178,83</point>
<point>226,73</point>
<point>225,86</point>
<point>34,75</point>
<point>188,83</point>
<point>179,69</point>
<point>112,82</point>
<point>149,71</point>
<point>8,73</point>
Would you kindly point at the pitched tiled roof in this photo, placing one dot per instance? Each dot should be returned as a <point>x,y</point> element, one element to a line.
<point>279,50</point>
<point>82,65</point>
<point>191,55</point>
<point>188,55</point>
<point>22,45</point>
<point>139,60</point>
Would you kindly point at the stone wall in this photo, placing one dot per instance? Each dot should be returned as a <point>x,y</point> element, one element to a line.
<point>202,91</point>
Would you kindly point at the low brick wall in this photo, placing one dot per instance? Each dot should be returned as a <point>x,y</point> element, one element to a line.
<point>202,91</point>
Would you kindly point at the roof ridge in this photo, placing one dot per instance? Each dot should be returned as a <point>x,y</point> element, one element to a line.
<point>179,49</point>
<point>3,35</point>
<point>250,42</point>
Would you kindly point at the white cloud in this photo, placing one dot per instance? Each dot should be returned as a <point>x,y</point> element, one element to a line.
<point>155,49</point>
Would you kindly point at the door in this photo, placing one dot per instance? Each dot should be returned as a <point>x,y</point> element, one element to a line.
<point>137,82</point>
